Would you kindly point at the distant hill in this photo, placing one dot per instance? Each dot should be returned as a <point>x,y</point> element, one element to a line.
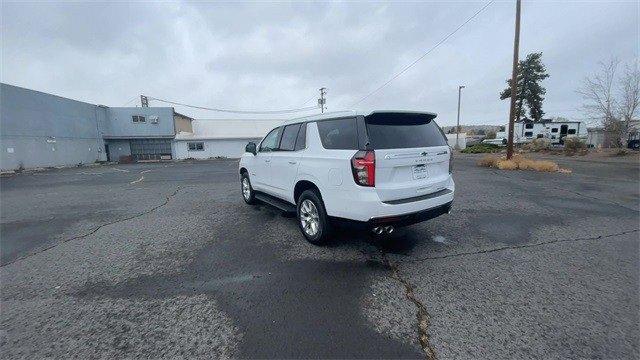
<point>478,129</point>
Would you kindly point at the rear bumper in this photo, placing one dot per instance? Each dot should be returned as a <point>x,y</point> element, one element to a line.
<point>413,218</point>
<point>396,221</point>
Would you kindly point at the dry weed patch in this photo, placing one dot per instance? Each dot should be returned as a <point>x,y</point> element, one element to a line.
<point>519,162</point>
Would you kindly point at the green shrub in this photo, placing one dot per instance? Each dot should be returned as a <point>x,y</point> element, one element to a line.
<point>538,145</point>
<point>574,146</point>
<point>481,149</point>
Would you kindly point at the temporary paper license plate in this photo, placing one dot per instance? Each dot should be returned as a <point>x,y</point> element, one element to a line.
<point>419,171</point>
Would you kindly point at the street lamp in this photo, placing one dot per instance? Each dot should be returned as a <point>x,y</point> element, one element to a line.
<point>458,123</point>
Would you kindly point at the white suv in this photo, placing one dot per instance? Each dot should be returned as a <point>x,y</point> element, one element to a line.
<point>381,170</point>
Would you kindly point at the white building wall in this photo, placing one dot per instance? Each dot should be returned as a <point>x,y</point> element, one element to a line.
<point>227,148</point>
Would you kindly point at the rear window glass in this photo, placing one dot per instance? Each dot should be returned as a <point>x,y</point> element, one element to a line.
<point>398,131</point>
<point>338,134</point>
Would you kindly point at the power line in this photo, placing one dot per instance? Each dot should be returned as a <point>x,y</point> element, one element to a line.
<point>255,112</point>
<point>306,102</point>
<point>129,102</point>
<point>425,54</point>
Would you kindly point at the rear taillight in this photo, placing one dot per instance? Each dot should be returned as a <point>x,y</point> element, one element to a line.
<point>363,165</point>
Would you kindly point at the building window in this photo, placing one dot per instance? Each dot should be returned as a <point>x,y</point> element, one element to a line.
<point>554,130</point>
<point>196,146</point>
<point>138,118</point>
<point>528,134</point>
<point>540,136</point>
<point>571,131</point>
<point>528,126</point>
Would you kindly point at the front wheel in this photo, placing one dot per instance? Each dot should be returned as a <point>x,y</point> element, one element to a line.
<point>312,218</point>
<point>248,194</point>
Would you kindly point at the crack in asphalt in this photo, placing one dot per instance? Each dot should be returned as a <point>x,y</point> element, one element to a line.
<point>94,230</point>
<point>514,247</point>
<point>565,190</point>
<point>423,317</point>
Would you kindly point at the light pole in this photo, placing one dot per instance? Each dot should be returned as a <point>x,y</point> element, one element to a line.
<point>458,122</point>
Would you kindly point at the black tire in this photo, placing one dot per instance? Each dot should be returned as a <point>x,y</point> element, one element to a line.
<point>251,199</point>
<point>323,231</point>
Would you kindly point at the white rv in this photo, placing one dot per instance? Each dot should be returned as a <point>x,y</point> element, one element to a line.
<point>555,131</point>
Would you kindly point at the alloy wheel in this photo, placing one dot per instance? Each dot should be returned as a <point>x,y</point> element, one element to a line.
<point>309,218</point>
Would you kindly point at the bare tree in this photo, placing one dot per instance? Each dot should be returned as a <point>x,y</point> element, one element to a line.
<point>597,92</point>
<point>629,97</point>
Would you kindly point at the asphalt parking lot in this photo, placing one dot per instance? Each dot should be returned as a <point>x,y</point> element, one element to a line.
<point>165,260</point>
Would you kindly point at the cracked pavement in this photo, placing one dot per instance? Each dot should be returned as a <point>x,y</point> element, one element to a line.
<point>527,265</point>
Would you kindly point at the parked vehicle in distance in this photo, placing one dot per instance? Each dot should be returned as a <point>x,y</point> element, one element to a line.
<point>497,141</point>
<point>633,141</point>
<point>381,170</point>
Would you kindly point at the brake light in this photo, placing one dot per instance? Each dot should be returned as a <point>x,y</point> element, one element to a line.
<point>363,165</point>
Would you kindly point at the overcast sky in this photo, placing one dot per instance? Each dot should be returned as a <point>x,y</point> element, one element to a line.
<point>264,55</point>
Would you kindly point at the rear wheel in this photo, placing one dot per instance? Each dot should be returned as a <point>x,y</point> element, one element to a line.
<point>312,218</point>
<point>248,194</point>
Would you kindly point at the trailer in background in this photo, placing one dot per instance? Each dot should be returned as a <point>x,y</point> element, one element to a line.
<point>553,130</point>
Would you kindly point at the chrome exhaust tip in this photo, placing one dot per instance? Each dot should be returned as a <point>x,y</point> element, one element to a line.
<point>388,229</point>
<point>377,230</point>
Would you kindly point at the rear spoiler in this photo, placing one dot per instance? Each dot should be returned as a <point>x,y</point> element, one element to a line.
<point>422,115</point>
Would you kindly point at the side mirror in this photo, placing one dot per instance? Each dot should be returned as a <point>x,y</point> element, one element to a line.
<point>251,147</point>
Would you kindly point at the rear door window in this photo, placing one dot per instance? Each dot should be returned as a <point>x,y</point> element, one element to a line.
<point>399,131</point>
<point>289,135</point>
<point>338,134</point>
<point>301,142</point>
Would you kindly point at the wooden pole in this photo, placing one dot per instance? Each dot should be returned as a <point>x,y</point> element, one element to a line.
<point>514,82</point>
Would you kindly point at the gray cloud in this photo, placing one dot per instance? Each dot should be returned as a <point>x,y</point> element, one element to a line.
<point>276,55</point>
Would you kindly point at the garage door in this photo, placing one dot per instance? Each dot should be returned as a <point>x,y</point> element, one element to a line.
<point>150,149</point>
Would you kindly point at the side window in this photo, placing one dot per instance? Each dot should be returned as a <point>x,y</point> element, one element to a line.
<point>196,146</point>
<point>338,134</point>
<point>270,142</point>
<point>138,118</point>
<point>554,130</point>
<point>289,135</point>
<point>301,142</point>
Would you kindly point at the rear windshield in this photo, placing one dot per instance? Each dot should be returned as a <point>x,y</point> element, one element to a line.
<point>397,131</point>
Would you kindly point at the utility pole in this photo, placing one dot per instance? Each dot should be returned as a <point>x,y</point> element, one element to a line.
<point>458,123</point>
<point>514,82</point>
<point>322,100</point>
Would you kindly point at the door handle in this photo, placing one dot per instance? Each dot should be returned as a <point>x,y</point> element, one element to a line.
<point>293,162</point>
<point>267,160</point>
